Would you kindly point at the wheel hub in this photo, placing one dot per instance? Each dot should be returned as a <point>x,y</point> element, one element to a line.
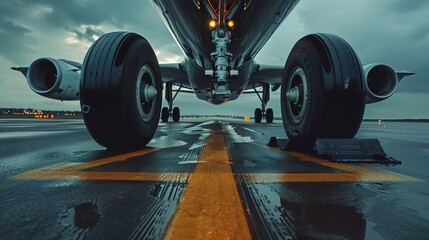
<point>297,95</point>
<point>146,93</point>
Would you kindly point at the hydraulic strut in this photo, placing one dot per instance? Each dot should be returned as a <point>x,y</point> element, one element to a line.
<point>221,57</point>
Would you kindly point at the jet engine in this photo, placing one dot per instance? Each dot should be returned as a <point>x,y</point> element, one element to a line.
<point>381,82</point>
<point>54,78</point>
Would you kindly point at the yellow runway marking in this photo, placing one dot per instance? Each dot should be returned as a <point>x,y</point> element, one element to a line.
<point>210,206</point>
<point>110,176</point>
<point>350,172</point>
<point>117,158</point>
<point>353,173</point>
<point>71,170</point>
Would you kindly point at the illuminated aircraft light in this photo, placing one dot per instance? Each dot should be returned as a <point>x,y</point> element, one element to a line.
<point>212,23</point>
<point>231,24</point>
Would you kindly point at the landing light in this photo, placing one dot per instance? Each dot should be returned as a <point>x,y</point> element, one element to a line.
<point>231,24</point>
<point>212,23</point>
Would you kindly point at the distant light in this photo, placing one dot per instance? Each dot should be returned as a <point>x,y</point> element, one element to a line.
<point>212,23</point>
<point>231,24</point>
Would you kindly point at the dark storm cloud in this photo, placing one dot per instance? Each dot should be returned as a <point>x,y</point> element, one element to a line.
<point>80,17</point>
<point>391,32</point>
<point>71,14</point>
<point>12,34</point>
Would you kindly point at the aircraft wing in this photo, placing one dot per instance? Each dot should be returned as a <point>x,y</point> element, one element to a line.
<point>23,70</point>
<point>172,72</point>
<point>266,74</point>
<point>402,73</point>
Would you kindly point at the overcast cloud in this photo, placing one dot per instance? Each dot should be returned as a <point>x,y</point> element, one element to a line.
<point>394,32</point>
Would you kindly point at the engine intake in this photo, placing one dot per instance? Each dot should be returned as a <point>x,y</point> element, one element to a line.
<point>54,79</point>
<point>381,82</point>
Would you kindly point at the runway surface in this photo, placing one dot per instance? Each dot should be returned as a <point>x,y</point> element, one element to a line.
<point>207,178</point>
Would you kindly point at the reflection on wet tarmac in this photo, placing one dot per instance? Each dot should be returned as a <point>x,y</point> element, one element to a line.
<point>324,221</point>
<point>86,215</point>
<point>78,220</point>
<point>291,215</point>
<point>76,190</point>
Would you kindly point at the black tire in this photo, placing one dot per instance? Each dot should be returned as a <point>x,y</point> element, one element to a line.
<point>258,115</point>
<point>326,68</point>
<point>164,114</point>
<point>117,70</point>
<point>176,114</point>
<point>269,115</point>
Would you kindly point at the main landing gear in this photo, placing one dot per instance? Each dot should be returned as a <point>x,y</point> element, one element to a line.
<point>260,113</point>
<point>121,91</point>
<point>166,112</point>
<point>322,91</point>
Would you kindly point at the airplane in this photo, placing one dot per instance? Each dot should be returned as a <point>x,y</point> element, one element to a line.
<point>323,86</point>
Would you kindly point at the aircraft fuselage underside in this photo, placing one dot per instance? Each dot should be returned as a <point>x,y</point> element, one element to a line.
<point>219,59</point>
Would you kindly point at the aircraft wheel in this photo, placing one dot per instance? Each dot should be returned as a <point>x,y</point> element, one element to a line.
<point>269,115</point>
<point>258,115</point>
<point>323,90</point>
<point>121,91</point>
<point>164,114</point>
<point>176,114</point>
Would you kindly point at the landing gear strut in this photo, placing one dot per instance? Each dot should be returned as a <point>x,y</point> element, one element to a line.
<point>166,112</point>
<point>260,113</point>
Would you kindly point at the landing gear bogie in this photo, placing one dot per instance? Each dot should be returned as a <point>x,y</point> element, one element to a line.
<point>262,112</point>
<point>170,111</point>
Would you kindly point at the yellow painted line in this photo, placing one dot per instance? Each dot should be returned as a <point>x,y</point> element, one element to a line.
<point>109,176</point>
<point>353,173</point>
<point>108,160</point>
<point>350,173</point>
<point>72,170</point>
<point>210,207</point>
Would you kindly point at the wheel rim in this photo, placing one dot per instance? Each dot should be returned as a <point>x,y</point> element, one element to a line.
<point>297,95</point>
<point>146,93</point>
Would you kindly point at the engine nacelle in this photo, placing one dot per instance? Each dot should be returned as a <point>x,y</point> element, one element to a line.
<point>381,82</point>
<point>54,79</point>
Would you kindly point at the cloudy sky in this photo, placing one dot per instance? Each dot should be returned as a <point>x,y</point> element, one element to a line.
<point>395,32</point>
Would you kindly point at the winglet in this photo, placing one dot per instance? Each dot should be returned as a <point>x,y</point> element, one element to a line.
<point>402,74</point>
<point>23,70</point>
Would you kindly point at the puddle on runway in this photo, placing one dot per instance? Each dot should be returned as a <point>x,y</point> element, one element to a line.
<point>165,142</point>
<point>288,216</point>
<point>234,136</point>
<point>78,220</point>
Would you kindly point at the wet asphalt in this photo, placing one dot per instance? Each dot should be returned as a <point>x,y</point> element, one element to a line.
<point>57,183</point>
